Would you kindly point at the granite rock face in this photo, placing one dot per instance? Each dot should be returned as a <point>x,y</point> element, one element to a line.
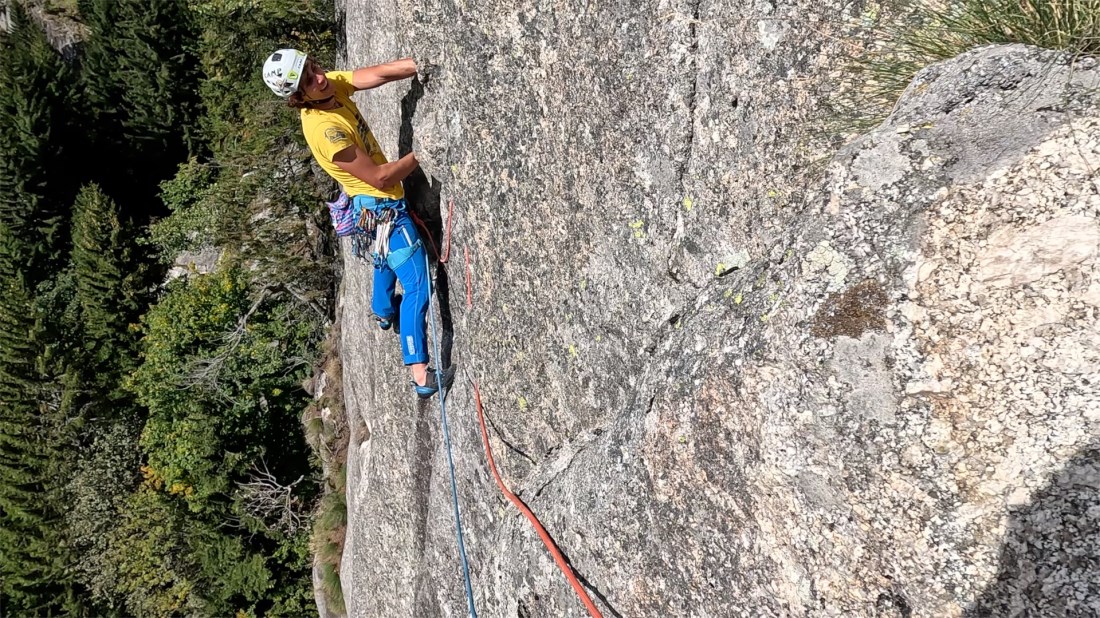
<point>734,372</point>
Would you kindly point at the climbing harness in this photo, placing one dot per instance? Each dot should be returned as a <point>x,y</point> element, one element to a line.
<point>375,223</point>
<point>447,442</point>
<point>370,228</point>
<point>519,504</point>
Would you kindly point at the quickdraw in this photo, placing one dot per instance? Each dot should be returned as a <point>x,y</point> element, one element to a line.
<point>372,234</point>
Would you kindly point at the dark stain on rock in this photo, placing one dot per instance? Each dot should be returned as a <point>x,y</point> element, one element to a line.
<point>852,312</point>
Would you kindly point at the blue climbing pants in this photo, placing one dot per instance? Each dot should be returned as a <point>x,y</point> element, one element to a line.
<point>407,262</point>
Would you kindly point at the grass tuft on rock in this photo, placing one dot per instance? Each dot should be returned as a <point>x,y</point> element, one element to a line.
<point>329,532</point>
<point>330,584</point>
<point>931,31</point>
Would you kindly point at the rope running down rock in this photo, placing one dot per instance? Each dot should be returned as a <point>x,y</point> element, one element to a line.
<point>545,536</point>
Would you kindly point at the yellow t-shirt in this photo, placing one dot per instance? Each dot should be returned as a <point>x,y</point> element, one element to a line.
<point>332,130</point>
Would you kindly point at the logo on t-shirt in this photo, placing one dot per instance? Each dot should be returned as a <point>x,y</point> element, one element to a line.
<point>335,135</point>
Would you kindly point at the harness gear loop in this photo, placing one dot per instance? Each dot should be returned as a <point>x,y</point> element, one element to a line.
<point>372,234</point>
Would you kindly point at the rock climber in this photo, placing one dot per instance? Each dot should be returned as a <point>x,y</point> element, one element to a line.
<point>344,146</point>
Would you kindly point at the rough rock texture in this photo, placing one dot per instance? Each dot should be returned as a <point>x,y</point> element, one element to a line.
<point>731,382</point>
<point>63,32</point>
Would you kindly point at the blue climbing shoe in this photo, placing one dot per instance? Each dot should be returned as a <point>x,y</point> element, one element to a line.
<point>431,385</point>
<point>384,324</point>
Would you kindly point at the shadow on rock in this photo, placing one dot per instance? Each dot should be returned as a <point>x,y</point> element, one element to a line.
<point>423,195</point>
<point>424,598</point>
<point>1050,562</point>
<point>422,191</point>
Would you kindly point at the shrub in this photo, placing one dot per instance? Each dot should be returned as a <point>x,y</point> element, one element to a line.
<point>933,31</point>
<point>106,475</point>
<point>221,380</point>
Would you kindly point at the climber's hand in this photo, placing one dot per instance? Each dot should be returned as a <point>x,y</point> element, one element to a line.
<point>379,74</point>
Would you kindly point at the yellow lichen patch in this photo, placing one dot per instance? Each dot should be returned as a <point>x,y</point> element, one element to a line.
<point>688,203</point>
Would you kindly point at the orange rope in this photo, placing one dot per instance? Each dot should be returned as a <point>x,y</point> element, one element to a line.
<point>546,540</point>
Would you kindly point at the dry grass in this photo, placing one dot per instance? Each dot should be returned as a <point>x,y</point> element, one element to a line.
<point>329,533</point>
<point>931,31</point>
<point>326,428</point>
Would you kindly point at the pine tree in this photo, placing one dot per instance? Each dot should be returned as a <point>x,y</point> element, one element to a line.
<point>32,557</point>
<point>140,77</point>
<point>109,281</point>
<point>35,138</point>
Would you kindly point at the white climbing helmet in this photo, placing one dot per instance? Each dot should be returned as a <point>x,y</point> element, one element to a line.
<point>283,70</point>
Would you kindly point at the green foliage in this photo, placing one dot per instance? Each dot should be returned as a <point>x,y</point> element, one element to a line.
<point>221,359</point>
<point>218,380</point>
<point>934,31</point>
<point>139,76</point>
<point>61,7</point>
<point>161,560</point>
<point>36,136</point>
<point>331,586</point>
<point>222,365</point>
<point>33,577</point>
<point>244,120</point>
<point>99,492</point>
<point>329,530</point>
<point>196,211</point>
<point>142,563</point>
<point>232,576</point>
<point>258,194</point>
<point>110,282</point>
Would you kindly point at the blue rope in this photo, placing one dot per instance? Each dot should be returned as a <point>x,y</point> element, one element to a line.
<point>447,441</point>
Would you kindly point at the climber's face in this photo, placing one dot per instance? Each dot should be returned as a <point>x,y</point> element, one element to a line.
<point>314,85</point>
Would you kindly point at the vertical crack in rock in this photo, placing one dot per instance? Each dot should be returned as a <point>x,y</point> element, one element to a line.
<point>693,88</point>
<point>511,447</point>
<point>693,30</point>
<point>689,151</point>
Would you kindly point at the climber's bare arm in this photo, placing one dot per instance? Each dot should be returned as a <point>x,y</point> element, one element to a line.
<point>359,164</point>
<point>379,74</point>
